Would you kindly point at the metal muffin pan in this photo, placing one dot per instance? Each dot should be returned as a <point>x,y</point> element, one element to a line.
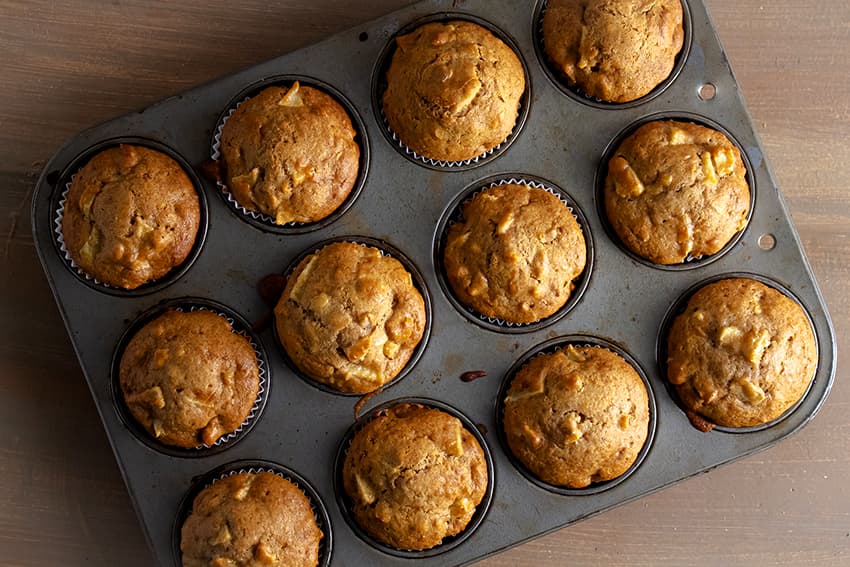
<point>401,202</point>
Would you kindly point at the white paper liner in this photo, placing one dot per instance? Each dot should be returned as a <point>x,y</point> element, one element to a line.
<point>449,164</point>
<point>261,367</point>
<point>527,183</point>
<point>60,238</point>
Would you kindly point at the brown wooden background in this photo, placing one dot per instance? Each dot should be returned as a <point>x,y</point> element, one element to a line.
<point>68,65</point>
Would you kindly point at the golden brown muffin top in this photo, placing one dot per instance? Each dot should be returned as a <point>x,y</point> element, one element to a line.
<point>350,317</point>
<point>613,50</point>
<point>453,90</point>
<point>290,153</point>
<point>131,215</point>
<point>676,190</point>
<point>415,476</point>
<point>577,416</point>
<point>188,379</point>
<point>741,353</point>
<point>515,253</point>
<point>251,520</point>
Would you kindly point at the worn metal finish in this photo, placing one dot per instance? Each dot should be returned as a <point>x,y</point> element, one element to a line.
<point>401,202</point>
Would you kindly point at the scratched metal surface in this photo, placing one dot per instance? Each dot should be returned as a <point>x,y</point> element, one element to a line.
<point>402,202</point>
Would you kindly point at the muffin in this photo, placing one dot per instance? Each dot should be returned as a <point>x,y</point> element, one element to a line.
<point>576,416</point>
<point>741,353</point>
<point>514,254</point>
<point>414,475</point>
<point>289,153</point>
<point>453,90</point>
<point>250,519</point>
<point>613,50</point>
<point>350,317</point>
<point>131,215</point>
<point>188,379</point>
<point>675,191</point>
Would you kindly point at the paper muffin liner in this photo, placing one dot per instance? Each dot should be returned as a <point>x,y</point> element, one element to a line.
<point>379,89</point>
<point>238,326</point>
<point>577,94</point>
<point>555,345</point>
<point>344,501</point>
<point>454,212</point>
<point>386,250</point>
<point>320,513</point>
<point>59,202</point>
<point>690,262</point>
<point>678,307</point>
<point>263,220</point>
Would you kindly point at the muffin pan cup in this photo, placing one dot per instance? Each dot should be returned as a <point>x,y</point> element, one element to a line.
<point>574,92</point>
<point>554,345</point>
<point>401,202</point>
<point>60,197</point>
<point>679,306</point>
<point>690,262</point>
<point>240,326</point>
<point>262,220</point>
<point>454,213</point>
<point>449,543</point>
<point>256,466</point>
<point>418,282</point>
<point>379,87</point>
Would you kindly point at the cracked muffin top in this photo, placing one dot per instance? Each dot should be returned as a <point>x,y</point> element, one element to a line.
<point>188,379</point>
<point>131,215</point>
<point>676,190</point>
<point>415,476</point>
<point>515,253</point>
<point>350,317</point>
<point>741,353</point>
<point>290,154</point>
<point>251,520</point>
<point>453,90</point>
<point>576,416</point>
<point>613,50</point>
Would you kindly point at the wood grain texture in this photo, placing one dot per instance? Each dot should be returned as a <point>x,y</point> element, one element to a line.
<point>66,66</point>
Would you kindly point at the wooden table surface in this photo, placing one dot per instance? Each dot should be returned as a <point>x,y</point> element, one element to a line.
<point>66,66</point>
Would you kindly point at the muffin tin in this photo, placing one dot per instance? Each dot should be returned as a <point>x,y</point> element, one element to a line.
<point>562,140</point>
